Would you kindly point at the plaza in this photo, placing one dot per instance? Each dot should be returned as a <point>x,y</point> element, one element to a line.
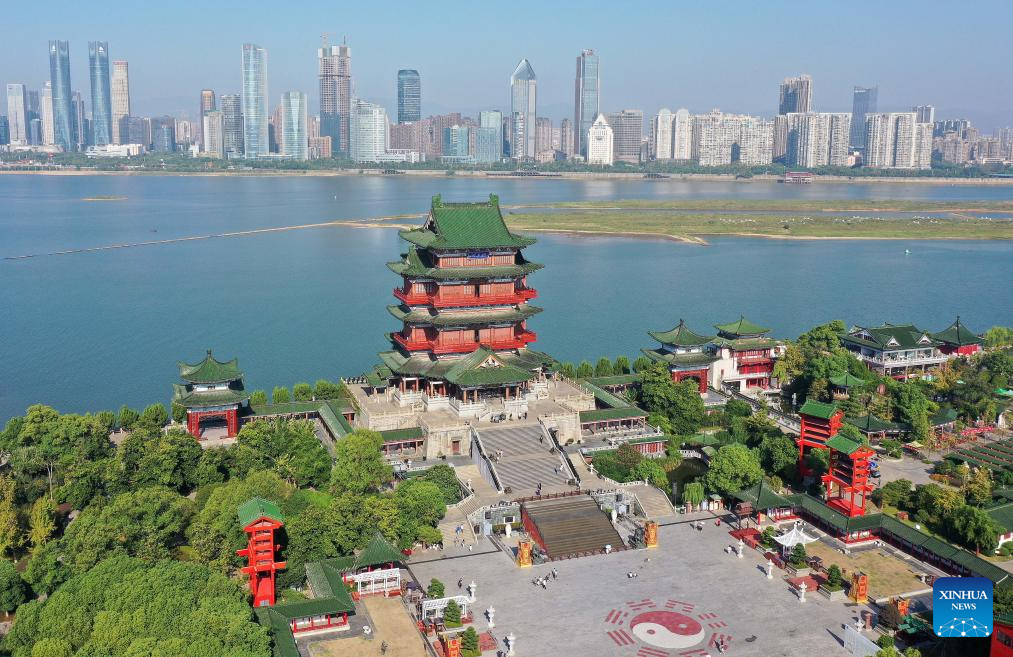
<point>596,609</point>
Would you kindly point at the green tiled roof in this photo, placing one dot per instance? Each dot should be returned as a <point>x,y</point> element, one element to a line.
<point>257,508</point>
<point>398,435</point>
<point>605,397</point>
<point>210,370</point>
<point>199,398</point>
<point>603,414</point>
<point>741,328</point>
<point>943,416</point>
<point>871,424</point>
<point>680,360</point>
<point>377,552</point>
<point>846,380</point>
<point>1003,515</point>
<point>761,496</point>
<point>818,409</point>
<point>324,578</point>
<point>680,336</point>
<point>484,367</point>
<point>741,344</point>
<point>522,360</point>
<point>465,226</point>
<point>412,265</point>
<point>957,334</point>
<point>891,337</point>
<point>614,380</point>
<point>844,444</point>
<point>427,316</point>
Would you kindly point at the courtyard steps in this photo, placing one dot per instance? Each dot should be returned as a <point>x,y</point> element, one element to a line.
<point>655,502</point>
<point>526,460</point>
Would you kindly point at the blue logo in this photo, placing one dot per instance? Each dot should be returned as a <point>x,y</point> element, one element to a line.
<point>962,606</point>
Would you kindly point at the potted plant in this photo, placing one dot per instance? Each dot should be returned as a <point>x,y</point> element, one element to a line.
<point>797,564</point>
<point>833,588</point>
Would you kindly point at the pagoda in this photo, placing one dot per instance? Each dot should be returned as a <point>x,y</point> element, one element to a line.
<point>847,477</point>
<point>819,422</point>
<point>463,306</point>
<point>749,351</point>
<point>688,355</point>
<point>213,389</point>
<point>261,520</point>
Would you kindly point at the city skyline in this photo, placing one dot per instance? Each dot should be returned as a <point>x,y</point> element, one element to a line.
<point>631,76</point>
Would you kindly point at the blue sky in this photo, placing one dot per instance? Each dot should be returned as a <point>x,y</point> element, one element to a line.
<point>698,55</point>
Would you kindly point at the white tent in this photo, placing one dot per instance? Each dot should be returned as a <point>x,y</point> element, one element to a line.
<point>795,537</point>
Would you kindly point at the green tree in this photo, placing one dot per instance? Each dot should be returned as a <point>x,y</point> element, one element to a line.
<point>999,336</point>
<point>324,389</point>
<point>738,408</point>
<point>10,538</point>
<point>314,533</point>
<point>107,420</point>
<point>835,579</point>
<point>420,504</point>
<point>168,459</point>
<point>178,413</point>
<point>258,398</point>
<point>359,466</point>
<point>679,402</point>
<point>280,395</point>
<point>732,469</point>
<point>798,556</point>
<point>12,588</point>
<point>896,493</point>
<point>975,528</point>
<point>289,448</point>
<point>127,417</point>
<point>603,367</point>
<point>1002,603</point>
<point>641,364</point>
<point>978,489</point>
<point>651,471</point>
<point>155,416</point>
<point>452,614</point>
<point>147,523</point>
<point>444,476</point>
<point>469,642</point>
<point>41,521</point>
<point>818,460</point>
<point>693,493</point>
<point>778,454</point>
<point>584,370</point>
<point>622,365</point>
<point>302,392</point>
<point>628,457</point>
<point>436,589</point>
<point>568,370</point>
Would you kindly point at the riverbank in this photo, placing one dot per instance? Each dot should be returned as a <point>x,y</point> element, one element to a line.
<point>547,175</point>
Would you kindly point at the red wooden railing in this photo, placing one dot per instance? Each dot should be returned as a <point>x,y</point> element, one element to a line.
<point>517,342</point>
<point>434,300</point>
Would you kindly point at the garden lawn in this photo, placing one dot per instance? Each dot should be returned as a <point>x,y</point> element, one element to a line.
<point>888,575</point>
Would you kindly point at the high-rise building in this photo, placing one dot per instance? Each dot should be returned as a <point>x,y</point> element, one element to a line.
<point>755,142</point>
<point>722,139</point>
<point>796,95</point>
<point>817,139</point>
<point>35,132</point>
<point>543,134</point>
<point>163,134</point>
<point>864,100</point>
<point>682,135</point>
<point>959,126</point>
<point>335,71</point>
<point>566,138</point>
<point>924,113</point>
<point>600,147</point>
<point>5,130</point>
<point>455,141</point>
<point>255,137</point>
<point>62,112</point>
<point>367,131</point>
<point>895,140</point>
<point>213,134</point>
<point>185,132</point>
<point>120,95</point>
<point>101,96</point>
<point>232,126</point>
<point>586,98</point>
<point>409,95</point>
<point>138,130</point>
<point>48,116</point>
<point>489,137</point>
<point>17,113</point>
<point>523,111</point>
<point>207,104</point>
<point>661,135</point>
<point>293,125</point>
<point>81,125</point>
<point>627,132</point>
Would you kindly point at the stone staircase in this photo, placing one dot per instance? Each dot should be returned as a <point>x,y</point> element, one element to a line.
<point>655,502</point>
<point>457,516</point>
<point>526,460</point>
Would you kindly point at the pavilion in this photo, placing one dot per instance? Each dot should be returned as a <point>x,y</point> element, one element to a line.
<point>213,389</point>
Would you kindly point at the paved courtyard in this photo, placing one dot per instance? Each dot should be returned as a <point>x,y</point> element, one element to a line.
<point>688,593</point>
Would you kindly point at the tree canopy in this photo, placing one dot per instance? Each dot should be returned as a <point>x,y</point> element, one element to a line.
<point>733,468</point>
<point>359,466</point>
<point>289,448</point>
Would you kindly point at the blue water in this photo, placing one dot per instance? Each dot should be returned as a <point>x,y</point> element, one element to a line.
<point>94,330</point>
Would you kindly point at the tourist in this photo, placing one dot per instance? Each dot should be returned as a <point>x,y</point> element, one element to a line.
<point>555,574</point>
<point>460,583</point>
<point>383,647</point>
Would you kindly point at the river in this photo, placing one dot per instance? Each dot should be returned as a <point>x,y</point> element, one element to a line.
<point>94,330</point>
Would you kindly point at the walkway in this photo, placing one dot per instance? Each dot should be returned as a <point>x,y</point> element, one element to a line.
<point>526,460</point>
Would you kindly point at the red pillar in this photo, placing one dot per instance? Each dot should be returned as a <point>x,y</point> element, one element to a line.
<point>193,423</point>
<point>232,421</point>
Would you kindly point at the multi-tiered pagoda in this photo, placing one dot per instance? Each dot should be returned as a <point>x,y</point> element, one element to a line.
<point>463,304</point>
<point>213,390</point>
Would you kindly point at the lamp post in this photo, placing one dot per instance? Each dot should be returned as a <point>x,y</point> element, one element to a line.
<point>801,592</point>
<point>471,590</point>
<point>739,547</point>
<point>770,569</point>
<point>489,613</point>
<point>511,641</point>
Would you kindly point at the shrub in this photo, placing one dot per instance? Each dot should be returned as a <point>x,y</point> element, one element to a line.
<point>280,395</point>
<point>798,556</point>
<point>469,643</point>
<point>885,641</point>
<point>835,580</point>
<point>436,589</point>
<point>302,392</point>
<point>452,614</point>
<point>258,398</point>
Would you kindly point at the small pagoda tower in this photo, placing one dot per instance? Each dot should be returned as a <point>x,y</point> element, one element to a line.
<point>958,340</point>
<point>260,520</point>
<point>819,423</point>
<point>750,351</point>
<point>687,354</point>
<point>463,306</point>
<point>213,389</point>
<point>847,478</point>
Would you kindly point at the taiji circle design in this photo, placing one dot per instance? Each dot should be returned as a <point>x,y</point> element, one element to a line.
<point>667,629</point>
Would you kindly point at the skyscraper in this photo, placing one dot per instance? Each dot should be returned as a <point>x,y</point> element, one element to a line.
<point>17,113</point>
<point>925,113</point>
<point>48,120</point>
<point>817,139</point>
<point>368,131</point>
<point>600,148</point>
<point>543,134</point>
<point>566,138</point>
<point>409,95</point>
<point>232,126</point>
<point>863,101</point>
<point>293,125</point>
<point>335,69</point>
<point>523,103</point>
<point>5,130</point>
<point>796,95</point>
<point>661,135</point>
<point>213,129</point>
<point>163,134</point>
<point>455,141</point>
<point>207,104</point>
<point>586,98</point>
<point>627,133</point>
<point>896,140</point>
<point>59,78</point>
<point>101,103</point>
<point>80,124</point>
<point>120,99</point>
<point>489,137</point>
<point>255,137</point>
<point>682,135</point>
